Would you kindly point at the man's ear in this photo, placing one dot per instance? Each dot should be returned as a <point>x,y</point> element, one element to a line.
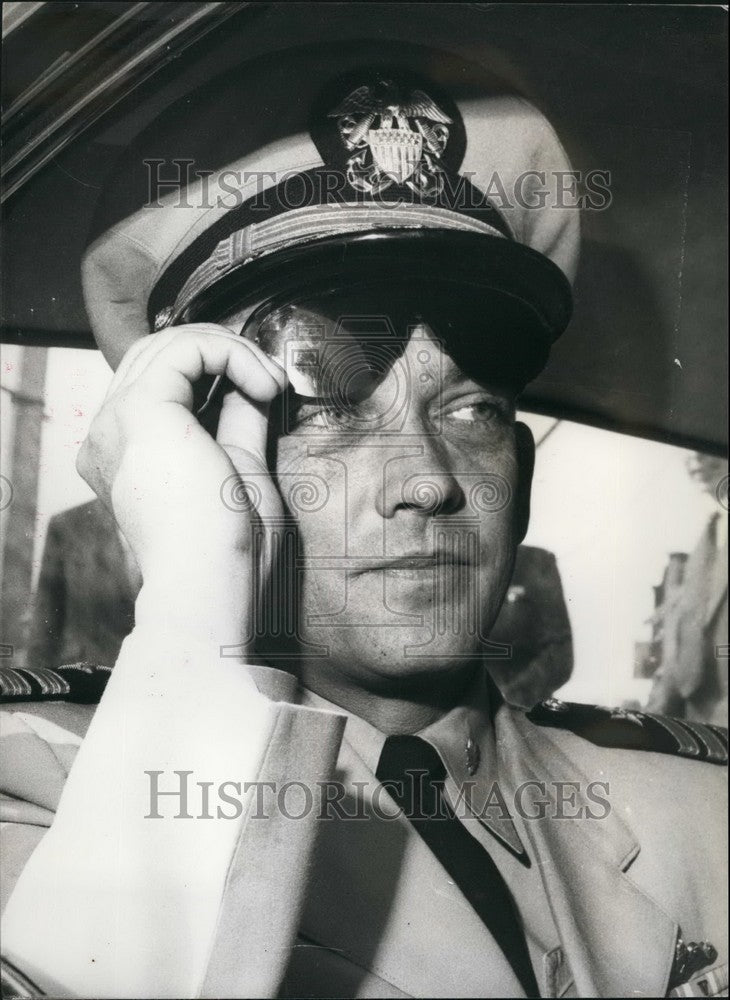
<point>525,467</point>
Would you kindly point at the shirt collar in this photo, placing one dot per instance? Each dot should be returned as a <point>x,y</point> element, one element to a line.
<point>465,741</point>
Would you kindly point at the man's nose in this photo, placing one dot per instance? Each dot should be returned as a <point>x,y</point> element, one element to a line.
<point>422,480</point>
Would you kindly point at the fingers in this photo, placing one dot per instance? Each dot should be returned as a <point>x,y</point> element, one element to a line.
<point>169,363</point>
<point>139,356</point>
<point>141,451</point>
<point>144,350</point>
<point>162,369</point>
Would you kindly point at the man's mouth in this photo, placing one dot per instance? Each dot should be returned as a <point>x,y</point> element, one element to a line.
<point>426,562</point>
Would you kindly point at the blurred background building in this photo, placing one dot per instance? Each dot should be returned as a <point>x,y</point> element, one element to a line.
<point>688,651</point>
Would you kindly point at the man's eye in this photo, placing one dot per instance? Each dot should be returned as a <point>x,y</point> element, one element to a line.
<point>478,412</point>
<point>324,416</point>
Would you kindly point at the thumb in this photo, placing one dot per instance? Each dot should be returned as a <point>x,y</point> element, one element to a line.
<point>242,433</point>
<point>243,428</point>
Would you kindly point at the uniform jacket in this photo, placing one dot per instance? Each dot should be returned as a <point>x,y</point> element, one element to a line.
<point>119,905</point>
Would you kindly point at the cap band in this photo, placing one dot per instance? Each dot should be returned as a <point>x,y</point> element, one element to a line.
<point>311,189</point>
<point>312,222</point>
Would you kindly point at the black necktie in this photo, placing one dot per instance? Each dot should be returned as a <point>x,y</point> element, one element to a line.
<point>414,775</point>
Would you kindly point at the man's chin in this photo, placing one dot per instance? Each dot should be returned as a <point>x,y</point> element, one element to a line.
<point>394,652</point>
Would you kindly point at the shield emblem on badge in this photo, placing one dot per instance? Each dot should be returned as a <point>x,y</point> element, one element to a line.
<point>396,151</point>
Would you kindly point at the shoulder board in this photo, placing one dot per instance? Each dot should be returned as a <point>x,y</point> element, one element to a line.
<point>625,729</point>
<point>82,683</point>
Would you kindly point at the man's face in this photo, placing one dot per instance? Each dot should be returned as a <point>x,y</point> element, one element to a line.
<point>403,479</point>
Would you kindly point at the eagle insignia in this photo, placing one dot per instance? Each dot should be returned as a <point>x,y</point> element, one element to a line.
<point>394,137</point>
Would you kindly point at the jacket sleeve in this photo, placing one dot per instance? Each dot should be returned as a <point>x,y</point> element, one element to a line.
<point>38,743</point>
<point>149,881</point>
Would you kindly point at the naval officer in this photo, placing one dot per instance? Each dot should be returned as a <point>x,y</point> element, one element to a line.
<point>310,446</point>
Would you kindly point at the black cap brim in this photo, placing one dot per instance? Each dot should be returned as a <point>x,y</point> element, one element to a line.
<point>497,304</point>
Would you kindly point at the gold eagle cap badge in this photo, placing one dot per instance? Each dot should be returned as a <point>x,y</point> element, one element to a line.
<point>394,137</point>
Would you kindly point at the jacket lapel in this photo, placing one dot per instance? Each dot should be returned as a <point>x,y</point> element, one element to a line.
<point>617,941</point>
